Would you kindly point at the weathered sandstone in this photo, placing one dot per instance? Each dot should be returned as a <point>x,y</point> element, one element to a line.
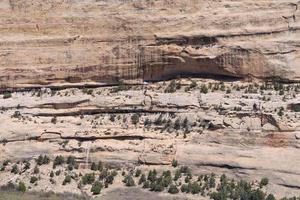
<point>106,42</point>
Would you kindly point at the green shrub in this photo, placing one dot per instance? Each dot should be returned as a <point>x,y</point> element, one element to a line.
<point>138,173</point>
<point>57,173</point>
<point>7,95</point>
<point>26,165</point>
<point>96,188</point>
<point>157,185</point>
<point>171,88</point>
<point>21,187</point>
<point>212,180</point>
<point>270,197</point>
<point>257,195</point>
<point>146,184</point>
<point>174,163</point>
<point>135,118</point>
<point>177,124</point>
<point>15,169</point>
<point>129,182</point>
<point>173,189</point>
<point>263,182</point>
<point>280,112</point>
<point>193,84</point>
<point>36,170</point>
<point>16,114</point>
<point>33,179</point>
<point>114,173</point>
<point>54,120</point>
<point>184,170</point>
<point>71,160</point>
<point>152,175</point>
<point>109,179</point>
<point>112,117</point>
<point>184,188</point>
<point>100,166</point>
<point>204,89</point>
<point>67,180</point>
<point>177,175</point>
<point>59,160</point>
<point>142,179</point>
<point>103,174</point>
<point>43,160</point>
<point>88,179</point>
<point>194,188</point>
<point>94,167</point>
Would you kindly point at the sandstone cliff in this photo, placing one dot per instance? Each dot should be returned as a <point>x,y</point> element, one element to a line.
<point>101,41</point>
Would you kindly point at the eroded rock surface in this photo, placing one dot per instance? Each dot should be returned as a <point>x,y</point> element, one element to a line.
<point>106,42</point>
<point>245,130</point>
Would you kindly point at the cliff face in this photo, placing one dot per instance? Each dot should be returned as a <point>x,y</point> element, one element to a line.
<point>69,41</point>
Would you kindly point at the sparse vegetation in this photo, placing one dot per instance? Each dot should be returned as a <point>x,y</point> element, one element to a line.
<point>174,163</point>
<point>67,180</point>
<point>59,160</point>
<point>128,180</point>
<point>33,179</point>
<point>21,187</point>
<point>88,179</point>
<point>7,95</point>
<point>171,88</point>
<point>43,160</point>
<point>135,118</point>
<point>96,188</point>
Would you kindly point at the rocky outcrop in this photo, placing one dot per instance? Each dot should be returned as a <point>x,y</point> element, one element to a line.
<point>246,130</point>
<point>108,42</point>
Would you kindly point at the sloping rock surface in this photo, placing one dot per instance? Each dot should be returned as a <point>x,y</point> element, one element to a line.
<point>101,41</point>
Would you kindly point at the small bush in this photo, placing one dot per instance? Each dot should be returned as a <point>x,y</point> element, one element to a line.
<point>21,187</point>
<point>138,173</point>
<point>142,179</point>
<point>146,184</point>
<point>88,179</point>
<point>96,188</point>
<point>177,175</point>
<point>174,163</point>
<point>173,189</point>
<point>152,175</point>
<point>67,180</point>
<point>57,173</point>
<point>184,188</point>
<point>59,160</point>
<point>194,188</point>
<point>112,118</point>
<point>204,89</point>
<point>71,160</point>
<point>33,179</point>
<point>26,165</point>
<point>129,182</point>
<point>100,166</point>
<point>264,181</point>
<point>103,174</point>
<point>43,160</point>
<point>36,170</point>
<point>15,169</point>
<point>94,167</point>
<point>193,84</point>
<point>109,179</point>
<point>270,197</point>
<point>171,88</point>
<point>7,95</point>
<point>135,118</point>
<point>54,120</point>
